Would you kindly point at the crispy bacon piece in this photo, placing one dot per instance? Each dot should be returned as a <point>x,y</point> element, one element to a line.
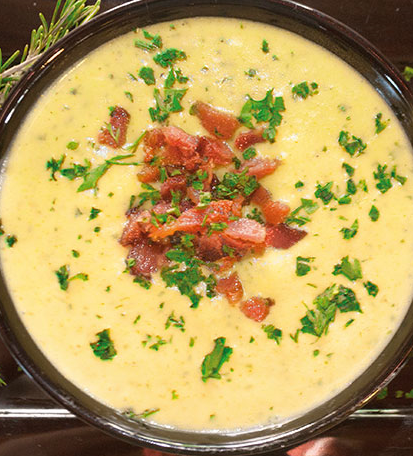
<point>210,247</point>
<point>282,236</point>
<point>231,287</point>
<point>173,184</point>
<point>260,167</point>
<point>249,138</point>
<point>153,141</point>
<point>246,230</point>
<point>149,174</point>
<point>218,123</point>
<point>274,212</point>
<point>257,308</point>
<point>215,150</point>
<point>148,256</point>
<point>137,224</point>
<point>194,220</point>
<point>119,121</point>
<point>181,148</point>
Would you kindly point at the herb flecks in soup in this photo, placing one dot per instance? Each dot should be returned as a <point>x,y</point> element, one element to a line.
<point>210,233</point>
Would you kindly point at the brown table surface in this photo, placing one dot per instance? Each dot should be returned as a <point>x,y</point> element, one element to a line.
<point>32,424</point>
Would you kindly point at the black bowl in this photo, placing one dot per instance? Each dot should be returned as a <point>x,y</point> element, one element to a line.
<point>304,21</point>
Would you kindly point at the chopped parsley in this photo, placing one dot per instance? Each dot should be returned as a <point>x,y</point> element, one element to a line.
<point>374,213</point>
<point>175,322</point>
<point>265,47</point>
<point>299,184</point>
<point>384,178</point>
<point>216,226</point>
<point>94,212</point>
<point>10,240</point>
<point>147,74</point>
<point>63,278</point>
<point>309,206</point>
<point>104,347</point>
<point>54,165</point>
<point>129,96</point>
<point>151,194</point>
<point>256,215</point>
<point>75,254</point>
<point>349,233</point>
<point>349,169</point>
<point>169,57</point>
<point>213,362</point>
<point>317,320</point>
<point>164,106</point>
<point>234,184</point>
<point>72,145</point>
<point>175,75</point>
<point>302,265</point>
<point>324,192</point>
<point>372,289</point>
<point>380,124</point>
<point>249,153</point>
<point>272,333</point>
<point>351,271</point>
<point>153,42</point>
<point>303,90</point>
<point>351,187</point>
<point>354,147</point>
<point>266,110</point>
<point>77,170</point>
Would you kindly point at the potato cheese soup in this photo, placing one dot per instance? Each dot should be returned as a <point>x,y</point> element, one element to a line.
<point>206,224</point>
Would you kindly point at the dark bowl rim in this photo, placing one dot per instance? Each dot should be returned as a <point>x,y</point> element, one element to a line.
<point>36,72</point>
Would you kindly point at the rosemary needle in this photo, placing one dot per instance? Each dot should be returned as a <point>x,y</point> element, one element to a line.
<point>67,15</point>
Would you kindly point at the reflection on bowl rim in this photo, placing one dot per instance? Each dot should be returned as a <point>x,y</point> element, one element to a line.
<point>304,21</point>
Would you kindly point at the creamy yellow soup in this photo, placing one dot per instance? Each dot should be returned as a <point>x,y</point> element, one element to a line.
<point>264,380</point>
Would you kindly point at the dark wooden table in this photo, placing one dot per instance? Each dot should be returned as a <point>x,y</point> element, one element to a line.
<point>32,424</point>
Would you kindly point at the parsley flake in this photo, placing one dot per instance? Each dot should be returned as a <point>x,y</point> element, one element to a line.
<point>349,233</point>
<point>169,57</point>
<point>380,124</point>
<point>213,362</point>
<point>302,265</point>
<point>104,347</point>
<point>147,74</point>
<point>272,333</point>
<point>372,289</point>
<point>354,147</point>
<point>94,212</point>
<point>351,271</point>
<point>10,240</point>
<point>303,90</point>
<point>374,213</point>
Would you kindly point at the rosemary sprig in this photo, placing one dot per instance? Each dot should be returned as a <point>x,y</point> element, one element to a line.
<point>66,16</point>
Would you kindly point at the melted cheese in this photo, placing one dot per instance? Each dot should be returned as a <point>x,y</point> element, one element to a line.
<point>262,381</point>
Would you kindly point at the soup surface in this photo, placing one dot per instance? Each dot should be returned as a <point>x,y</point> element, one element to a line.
<point>346,165</point>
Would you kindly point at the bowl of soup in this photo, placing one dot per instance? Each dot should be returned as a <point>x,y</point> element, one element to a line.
<point>206,213</point>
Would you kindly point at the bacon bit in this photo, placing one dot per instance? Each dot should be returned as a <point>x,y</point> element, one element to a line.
<point>153,141</point>
<point>149,174</point>
<point>218,123</point>
<point>190,222</point>
<point>219,211</point>
<point>282,236</point>
<point>231,287</point>
<point>247,230</point>
<point>226,263</point>
<point>119,121</point>
<point>138,223</point>
<point>149,257</point>
<point>237,205</point>
<point>257,308</point>
<point>193,194</point>
<point>260,167</point>
<point>173,184</point>
<point>215,150</point>
<point>274,212</point>
<point>176,137</point>
<point>210,247</point>
<point>162,207</point>
<point>249,138</point>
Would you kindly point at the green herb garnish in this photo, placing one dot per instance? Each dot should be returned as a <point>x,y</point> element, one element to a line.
<point>94,212</point>
<point>372,289</point>
<point>62,275</point>
<point>302,265</point>
<point>380,125</point>
<point>273,333</point>
<point>349,233</point>
<point>213,362</point>
<point>349,169</point>
<point>175,322</point>
<point>374,213</point>
<point>169,57</point>
<point>153,42</point>
<point>303,90</point>
<point>104,348</point>
<point>54,165</point>
<point>147,74</point>
<point>351,271</point>
<point>354,147</point>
